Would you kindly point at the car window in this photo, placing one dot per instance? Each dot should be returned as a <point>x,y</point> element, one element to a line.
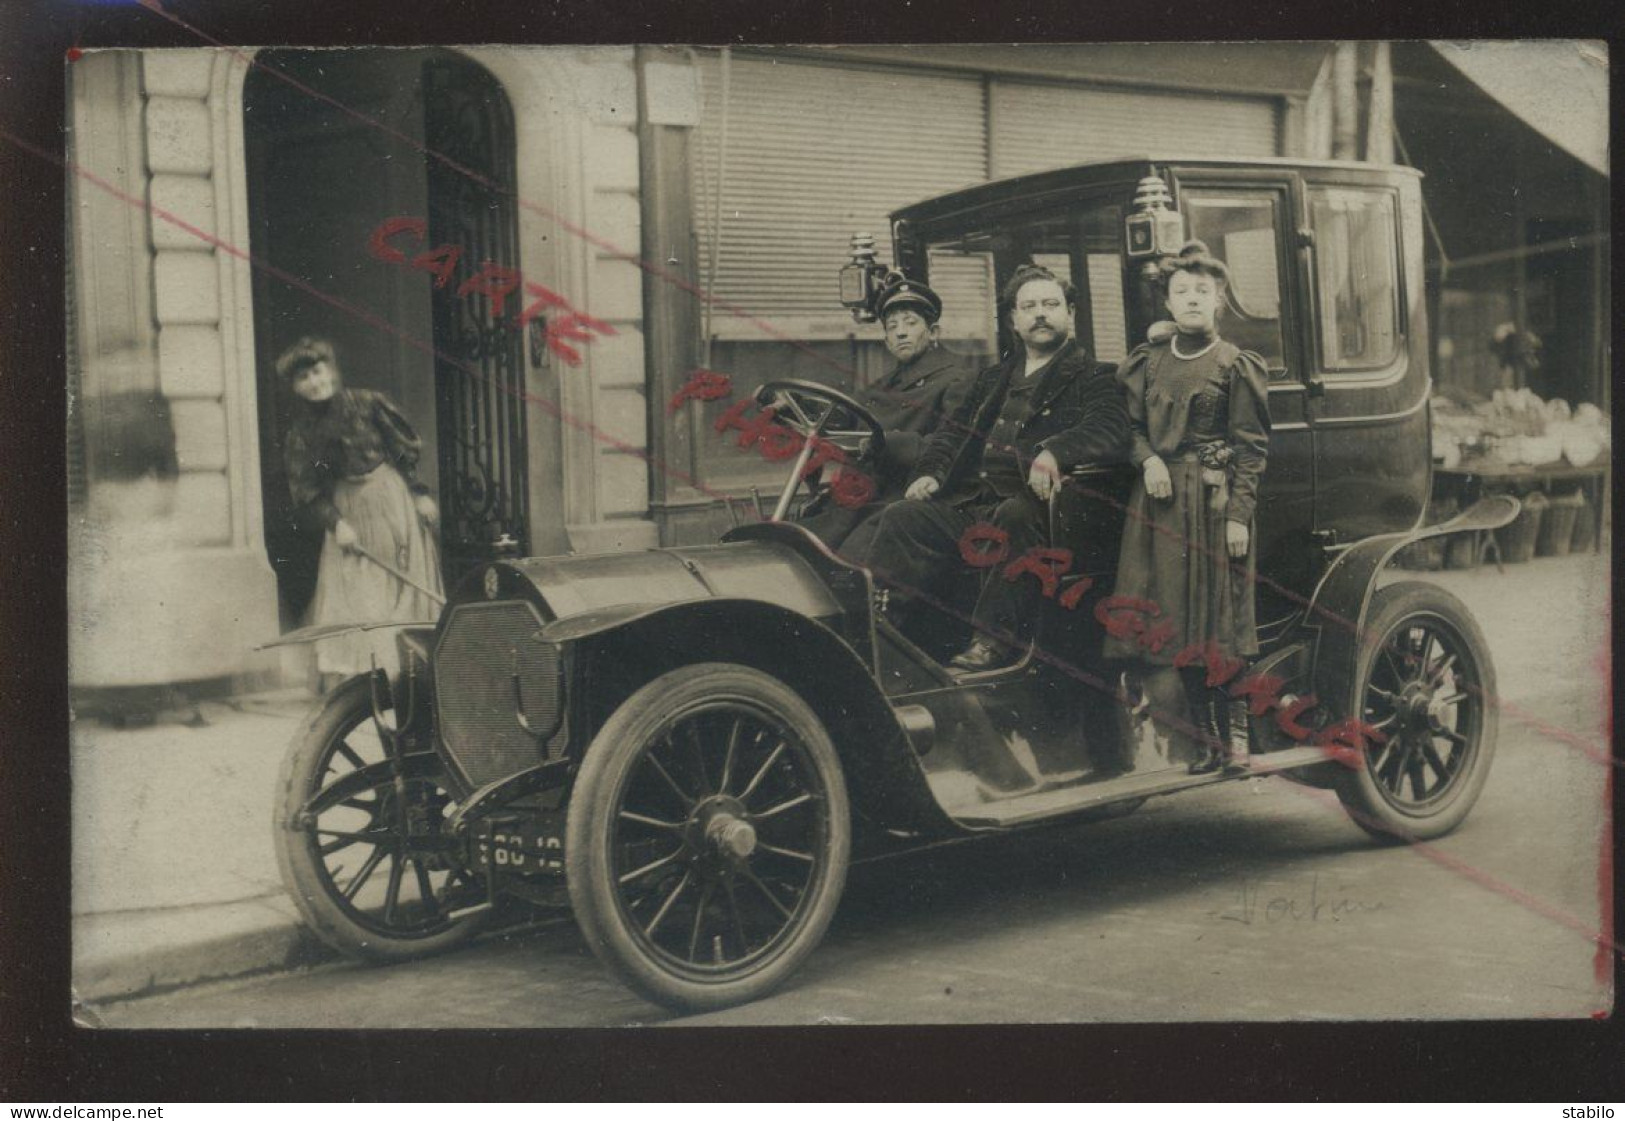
<point>1082,245</point>
<point>1241,228</point>
<point>964,280</point>
<point>1358,275</point>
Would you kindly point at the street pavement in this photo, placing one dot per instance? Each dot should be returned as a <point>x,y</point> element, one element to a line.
<point>1176,912</point>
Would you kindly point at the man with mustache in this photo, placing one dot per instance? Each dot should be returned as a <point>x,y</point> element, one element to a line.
<point>1047,408</point>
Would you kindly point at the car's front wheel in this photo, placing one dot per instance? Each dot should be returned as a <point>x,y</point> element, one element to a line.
<point>359,839</point>
<point>708,836</point>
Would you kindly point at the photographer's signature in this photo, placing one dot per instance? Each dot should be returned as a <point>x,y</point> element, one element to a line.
<point>1253,906</point>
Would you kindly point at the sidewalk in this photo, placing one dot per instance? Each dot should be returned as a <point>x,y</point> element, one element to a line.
<point>174,876</point>
<point>175,880</point>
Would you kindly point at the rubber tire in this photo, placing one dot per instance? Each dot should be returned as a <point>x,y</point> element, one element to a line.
<point>344,709</point>
<point>1357,788</point>
<point>594,804</point>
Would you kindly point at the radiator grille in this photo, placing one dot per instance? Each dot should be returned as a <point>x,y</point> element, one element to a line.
<point>483,646</point>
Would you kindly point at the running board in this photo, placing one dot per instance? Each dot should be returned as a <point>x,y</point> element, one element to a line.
<point>1026,809</point>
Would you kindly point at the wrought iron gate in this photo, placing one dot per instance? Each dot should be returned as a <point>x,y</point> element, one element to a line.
<point>479,371</point>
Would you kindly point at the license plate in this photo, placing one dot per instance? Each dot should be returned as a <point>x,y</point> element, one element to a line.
<point>519,845</point>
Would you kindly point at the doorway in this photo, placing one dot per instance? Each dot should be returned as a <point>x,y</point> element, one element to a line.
<point>336,145</point>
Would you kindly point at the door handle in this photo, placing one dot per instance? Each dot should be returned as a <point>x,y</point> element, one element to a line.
<point>1316,386</point>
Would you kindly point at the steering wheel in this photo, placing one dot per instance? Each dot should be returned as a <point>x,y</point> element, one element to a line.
<point>816,413</point>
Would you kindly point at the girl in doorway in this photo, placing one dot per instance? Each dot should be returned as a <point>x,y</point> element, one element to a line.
<point>1199,420</point>
<point>350,456</point>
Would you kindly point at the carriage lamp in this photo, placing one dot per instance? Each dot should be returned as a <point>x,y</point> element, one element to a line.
<point>862,279</point>
<point>1155,228</point>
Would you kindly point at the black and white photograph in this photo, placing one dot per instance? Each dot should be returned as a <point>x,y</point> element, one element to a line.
<point>955,534</point>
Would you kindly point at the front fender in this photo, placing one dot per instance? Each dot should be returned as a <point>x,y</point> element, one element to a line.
<point>620,650</point>
<point>1338,613</point>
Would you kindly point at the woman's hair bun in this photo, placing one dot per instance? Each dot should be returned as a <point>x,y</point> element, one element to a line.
<point>1193,256</point>
<point>306,352</point>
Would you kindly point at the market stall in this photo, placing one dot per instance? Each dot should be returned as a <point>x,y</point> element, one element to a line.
<point>1556,459</point>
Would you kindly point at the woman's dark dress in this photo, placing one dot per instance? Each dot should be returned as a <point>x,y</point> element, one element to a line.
<point>1174,553</point>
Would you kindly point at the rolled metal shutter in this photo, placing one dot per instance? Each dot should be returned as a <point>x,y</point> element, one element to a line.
<point>1036,126</point>
<point>817,152</point>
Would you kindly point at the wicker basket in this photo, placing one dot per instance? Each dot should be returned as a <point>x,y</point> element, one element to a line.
<point>1461,550</point>
<point>1517,539</point>
<point>1557,530</point>
<point>1584,538</point>
<point>1428,555</point>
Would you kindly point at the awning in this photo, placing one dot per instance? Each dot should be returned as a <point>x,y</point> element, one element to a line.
<point>1558,88</point>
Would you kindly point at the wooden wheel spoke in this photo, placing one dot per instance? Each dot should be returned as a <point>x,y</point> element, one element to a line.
<point>1398,761</point>
<point>805,857</point>
<point>346,839</point>
<point>738,919</point>
<point>699,918</point>
<point>1413,768</point>
<point>1455,737</point>
<point>1386,753</point>
<point>1393,668</point>
<point>665,908</point>
<point>1439,671</point>
<point>366,870</point>
<point>392,892</point>
<point>765,890</point>
<point>699,757</point>
<point>682,794</point>
<point>349,753</point>
<point>651,822</point>
<point>1430,643</point>
<point>750,788</point>
<point>1431,754</point>
<point>425,888</point>
<point>1452,699</point>
<point>782,807</point>
<point>728,756</point>
<point>653,865</point>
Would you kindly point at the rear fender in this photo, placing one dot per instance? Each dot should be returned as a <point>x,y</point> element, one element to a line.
<point>1337,616</point>
<point>619,653</point>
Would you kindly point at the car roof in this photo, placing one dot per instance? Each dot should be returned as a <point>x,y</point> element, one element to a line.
<point>1083,175</point>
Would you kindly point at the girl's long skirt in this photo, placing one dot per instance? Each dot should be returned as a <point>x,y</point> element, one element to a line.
<point>352,589</point>
<point>1174,556</point>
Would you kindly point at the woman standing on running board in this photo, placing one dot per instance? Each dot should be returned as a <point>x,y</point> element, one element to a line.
<point>1199,419</point>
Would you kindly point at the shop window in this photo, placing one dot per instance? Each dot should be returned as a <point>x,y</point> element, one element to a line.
<point>1358,275</point>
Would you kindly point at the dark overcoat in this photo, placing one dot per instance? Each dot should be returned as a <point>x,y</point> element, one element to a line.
<point>913,401</point>
<point>1078,415</point>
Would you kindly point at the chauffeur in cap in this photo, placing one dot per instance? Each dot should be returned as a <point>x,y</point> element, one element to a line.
<point>911,402</point>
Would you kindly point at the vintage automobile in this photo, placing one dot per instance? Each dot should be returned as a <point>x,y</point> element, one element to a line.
<point>691,745</point>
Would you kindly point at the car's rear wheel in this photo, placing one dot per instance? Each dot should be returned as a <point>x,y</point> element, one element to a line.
<point>708,837</point>
<point>359,839</point>
<point>1426,685</point>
